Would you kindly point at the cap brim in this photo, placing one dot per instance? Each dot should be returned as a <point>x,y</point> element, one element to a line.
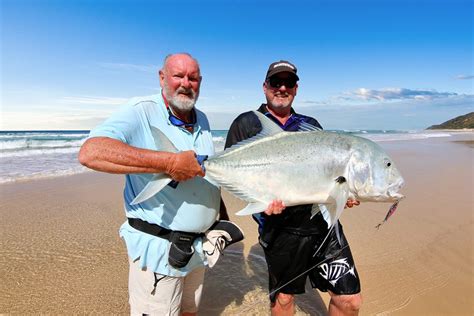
<point>277,71</point>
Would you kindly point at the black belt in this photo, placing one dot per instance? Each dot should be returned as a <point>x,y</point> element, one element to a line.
<point>181,249</point>
<point>157,230</point>
<point>152,229</point>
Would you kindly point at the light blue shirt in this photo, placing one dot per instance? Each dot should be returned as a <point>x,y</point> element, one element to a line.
<point>192,207</point>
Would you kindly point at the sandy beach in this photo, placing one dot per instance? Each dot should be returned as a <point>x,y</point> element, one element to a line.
<point>61,253</point>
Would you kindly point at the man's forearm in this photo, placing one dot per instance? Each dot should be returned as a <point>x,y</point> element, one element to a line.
<point>112,156</point>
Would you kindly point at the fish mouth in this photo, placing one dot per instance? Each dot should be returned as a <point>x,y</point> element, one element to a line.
<point>393,191</point>
<point>396,196</point>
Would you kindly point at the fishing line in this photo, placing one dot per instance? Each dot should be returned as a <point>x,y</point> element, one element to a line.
<point>324,240</point>
<point>314,266</point>
<point>303,273</point>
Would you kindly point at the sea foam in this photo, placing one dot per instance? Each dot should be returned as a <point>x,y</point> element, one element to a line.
<point>36,154</point>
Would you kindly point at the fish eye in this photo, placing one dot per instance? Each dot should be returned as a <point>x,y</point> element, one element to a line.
<point>387,163</point>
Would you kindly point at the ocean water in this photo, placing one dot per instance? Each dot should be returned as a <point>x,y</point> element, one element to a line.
<point>28,155</point>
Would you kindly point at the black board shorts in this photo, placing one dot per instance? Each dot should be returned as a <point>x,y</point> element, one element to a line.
<point>291,255</point>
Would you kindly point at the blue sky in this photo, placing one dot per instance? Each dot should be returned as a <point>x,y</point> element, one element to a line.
<point>381,64</point>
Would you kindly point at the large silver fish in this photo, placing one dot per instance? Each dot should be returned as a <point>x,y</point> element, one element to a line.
<point>309,167</point>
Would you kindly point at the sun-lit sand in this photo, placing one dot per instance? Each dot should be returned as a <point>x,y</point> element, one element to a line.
<point>61,254</point>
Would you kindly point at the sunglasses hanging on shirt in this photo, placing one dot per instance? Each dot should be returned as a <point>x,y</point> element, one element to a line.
<point>174,120</point>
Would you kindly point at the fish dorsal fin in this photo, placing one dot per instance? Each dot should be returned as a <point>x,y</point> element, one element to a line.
<point>306,127</point>
<point>161,141</point>
<point>269,128</point>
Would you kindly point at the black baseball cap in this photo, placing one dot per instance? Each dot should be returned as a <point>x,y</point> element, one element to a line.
<point>281,66</point>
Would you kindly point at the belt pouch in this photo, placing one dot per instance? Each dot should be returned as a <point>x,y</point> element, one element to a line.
<point>181,248</point>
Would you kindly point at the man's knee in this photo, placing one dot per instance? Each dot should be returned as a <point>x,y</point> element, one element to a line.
<point>348,303</point>
<point>285,299</point>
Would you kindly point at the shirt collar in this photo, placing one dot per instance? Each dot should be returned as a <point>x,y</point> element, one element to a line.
<point>289,123</point>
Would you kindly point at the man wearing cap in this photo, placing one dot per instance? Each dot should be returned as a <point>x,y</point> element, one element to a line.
<point>163,234</point>
<point>290,239</point>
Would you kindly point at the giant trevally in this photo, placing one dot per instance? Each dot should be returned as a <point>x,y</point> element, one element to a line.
<point>308,167</point>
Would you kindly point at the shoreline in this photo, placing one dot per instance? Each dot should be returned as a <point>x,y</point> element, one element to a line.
<point>61,252</point>
<point>76,168</point>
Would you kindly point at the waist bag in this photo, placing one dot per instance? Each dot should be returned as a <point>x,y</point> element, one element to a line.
<point>181,248</point>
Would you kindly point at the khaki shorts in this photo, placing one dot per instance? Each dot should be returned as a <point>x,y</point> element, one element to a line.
<point>172,295</point>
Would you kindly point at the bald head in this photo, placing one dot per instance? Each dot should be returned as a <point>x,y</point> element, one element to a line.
<point>177,58</point>
<point>180,79</point>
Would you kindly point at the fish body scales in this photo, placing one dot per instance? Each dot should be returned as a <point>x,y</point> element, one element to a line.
<point>296,167</point>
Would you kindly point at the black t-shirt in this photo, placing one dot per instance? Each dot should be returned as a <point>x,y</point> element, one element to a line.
<point>297,218</point>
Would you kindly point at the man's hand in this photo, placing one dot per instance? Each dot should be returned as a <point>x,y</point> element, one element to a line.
<point>184,166</point>
<point>351,203</point>
<point>275,207</point>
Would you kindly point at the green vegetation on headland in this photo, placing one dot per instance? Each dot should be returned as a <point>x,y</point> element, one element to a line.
<point>460,122</point>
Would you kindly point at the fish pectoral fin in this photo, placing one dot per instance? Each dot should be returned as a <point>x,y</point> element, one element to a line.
<point>323,208</point>
<point>252,208</point>
<point>155,185</point>
<point>338,197</point>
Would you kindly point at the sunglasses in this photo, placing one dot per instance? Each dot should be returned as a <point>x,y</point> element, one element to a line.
<point>276,82</point>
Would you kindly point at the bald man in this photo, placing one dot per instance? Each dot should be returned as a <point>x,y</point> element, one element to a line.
<point>162,234</point>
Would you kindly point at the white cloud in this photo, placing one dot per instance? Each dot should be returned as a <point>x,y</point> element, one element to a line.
<point>305,103</point>
<point>464,77</point>
<point>50,120</point>
<point>94,100</point>
<point>365,98</point>
<point>404,114</point>
<point>130,67</point>
<point>388,94</point>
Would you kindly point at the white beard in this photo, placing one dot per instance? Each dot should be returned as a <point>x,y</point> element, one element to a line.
<point>181,102</point>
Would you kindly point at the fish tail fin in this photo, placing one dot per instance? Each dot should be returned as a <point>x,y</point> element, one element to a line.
<point>159,181</point>
<point>154,186</point>
<point>162,142</point>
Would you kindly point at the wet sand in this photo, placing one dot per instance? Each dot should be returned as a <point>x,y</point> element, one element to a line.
<point>60,252</point>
